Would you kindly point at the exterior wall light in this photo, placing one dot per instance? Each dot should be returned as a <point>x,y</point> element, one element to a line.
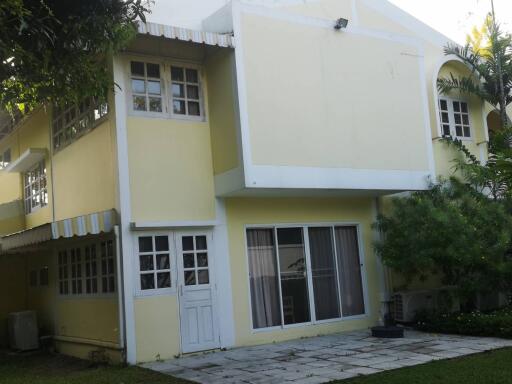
<point>341,23</point>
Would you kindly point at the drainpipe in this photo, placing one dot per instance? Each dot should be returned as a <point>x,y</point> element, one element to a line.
<point>120,293</point>
<point>383,273</point>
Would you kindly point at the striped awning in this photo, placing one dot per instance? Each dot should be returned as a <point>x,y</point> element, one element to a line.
<point>92,224</point>
<point>184,34</point>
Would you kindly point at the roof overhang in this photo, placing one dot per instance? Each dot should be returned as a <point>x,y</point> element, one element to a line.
<point>92,224</point>
<point>184,34</point>
<point>27,160</point>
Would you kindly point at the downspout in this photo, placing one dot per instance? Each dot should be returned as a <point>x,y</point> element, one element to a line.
<point>120,293</point>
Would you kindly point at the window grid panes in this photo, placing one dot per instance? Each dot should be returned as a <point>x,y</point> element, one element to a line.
<point>108,276</point>
<point>146,87</point>
<point>185,91</point>
<point>195,260</point>
<point>82,272</point>
<point>35,188</point>
<point>295,281</point>
<point>454,118</point>
<point>71,122</point>
<point>154,262</point>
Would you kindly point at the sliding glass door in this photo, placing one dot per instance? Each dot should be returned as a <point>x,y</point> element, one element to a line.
<point>304,274</point>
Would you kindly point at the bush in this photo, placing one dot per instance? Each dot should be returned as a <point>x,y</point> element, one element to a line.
<point>496,323</point>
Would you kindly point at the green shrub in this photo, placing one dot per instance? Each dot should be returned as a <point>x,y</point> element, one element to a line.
<point>496,324</point>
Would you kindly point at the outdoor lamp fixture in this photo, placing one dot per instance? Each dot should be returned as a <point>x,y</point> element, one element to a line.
<point>341,23</point>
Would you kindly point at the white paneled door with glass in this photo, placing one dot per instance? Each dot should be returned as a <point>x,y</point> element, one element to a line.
<point>182,263</point>
<point>305,274</point>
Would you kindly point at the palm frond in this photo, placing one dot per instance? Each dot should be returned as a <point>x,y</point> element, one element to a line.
<point>465,85</point>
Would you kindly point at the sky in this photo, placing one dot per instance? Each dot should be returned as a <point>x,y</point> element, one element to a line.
<point>455,18</point>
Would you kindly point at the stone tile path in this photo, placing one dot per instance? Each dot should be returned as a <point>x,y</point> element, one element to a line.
<point>322,359</point>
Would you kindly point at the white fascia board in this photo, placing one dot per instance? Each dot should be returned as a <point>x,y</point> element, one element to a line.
<point>28,159</point>
<point>154,225</point>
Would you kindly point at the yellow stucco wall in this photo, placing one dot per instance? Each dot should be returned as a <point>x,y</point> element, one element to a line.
<point>223,116</point>
<point>84,174</point>
<point>13,290</point>
<point>326,108</point>
<point>248,211</point>
<point>157,327</point>
<point>171,173</point>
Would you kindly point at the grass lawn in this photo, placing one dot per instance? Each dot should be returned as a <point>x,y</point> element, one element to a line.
<point>488,368</point>
<point>493,367</point>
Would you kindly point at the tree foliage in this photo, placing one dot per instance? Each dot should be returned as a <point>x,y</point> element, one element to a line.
<point>451,231</point>
<point>57,50</point>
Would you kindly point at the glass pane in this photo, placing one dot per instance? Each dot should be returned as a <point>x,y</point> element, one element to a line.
<point>161,243</point>
<point>467,132</point>
<point>146,262</point>
<point>139,103</point>
<point>188,260</point>
<point>192,76</point>
<point>323,270</point>
<point>190,278</point>
<point>465,119</point>
<point>456,106</point>
<point>202,259</point>
<point>458,130</point>
<point>138,86</point>
<point>444,105</point>
<point>446,130</point>
<point>349,270</point>
<point>145,244</point>
<point>153,70</point>
<point>177,74</point>
<point>178,107</point>
<point>154,88</point>
<point>187,243</point>
<point>193,108</point>
<point>444,116</point>
<point>162,261</point>
<point>137,68</point>
<point>193,92</point>
<point>464,107</point>
<point>294,288</point>
<point>163,280</point>
<point>155,104</point>
<point>457,118</point>
<point>200,243</point>
<point>147,281</point>
<point>178,90</point>
<point>203,277</point>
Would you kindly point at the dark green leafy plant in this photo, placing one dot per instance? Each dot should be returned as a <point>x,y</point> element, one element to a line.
<point>451,231</point>
<point>57,50</point>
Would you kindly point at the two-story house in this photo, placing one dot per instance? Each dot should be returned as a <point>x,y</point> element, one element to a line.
<point>225,195</point>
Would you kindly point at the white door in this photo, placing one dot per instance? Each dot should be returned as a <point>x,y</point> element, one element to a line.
<point>196,292</point>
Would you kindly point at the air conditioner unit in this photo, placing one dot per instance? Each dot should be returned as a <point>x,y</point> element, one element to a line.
<point>407,304</point>
<point>23,333</point>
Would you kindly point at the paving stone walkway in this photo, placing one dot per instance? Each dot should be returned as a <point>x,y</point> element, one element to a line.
<point>322,359</point>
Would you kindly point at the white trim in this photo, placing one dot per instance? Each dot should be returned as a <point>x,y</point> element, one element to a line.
<point>451,116</point>
<point>155,225</point>
<point>355,13</point>
<point>224,291</point>
<point>304,227</point>
<point>125,208</point>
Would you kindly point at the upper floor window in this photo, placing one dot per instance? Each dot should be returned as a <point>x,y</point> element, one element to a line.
<point>71,122</point>
<point>454,117</point>
<point>149,91</point>
<point>5,158</point>
<point>35,188</point>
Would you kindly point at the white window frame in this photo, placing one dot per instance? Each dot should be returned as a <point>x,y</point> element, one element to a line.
<point>172,290</point>
<point>312,308</point>
<point>166,81</point>
<point>83,278</point>
<point>451,117</point>
<point>40,172</point>
<point>89,117</point>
